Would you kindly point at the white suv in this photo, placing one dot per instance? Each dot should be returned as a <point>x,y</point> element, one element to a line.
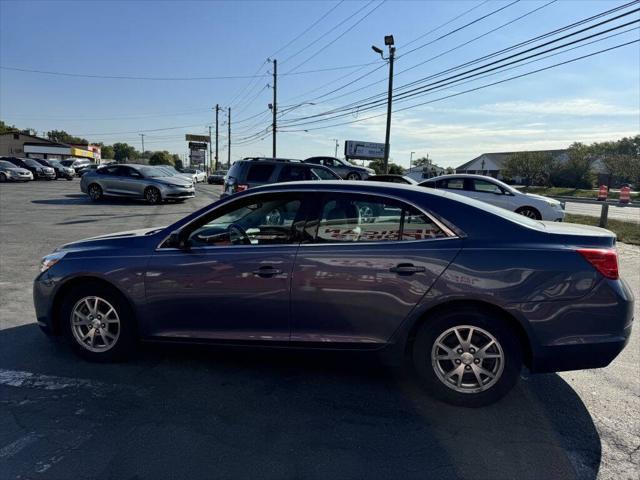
<point>495,192</point>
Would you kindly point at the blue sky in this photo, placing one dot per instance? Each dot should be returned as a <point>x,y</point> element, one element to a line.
<point>591,100</point>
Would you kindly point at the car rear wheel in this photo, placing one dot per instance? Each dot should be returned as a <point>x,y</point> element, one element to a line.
<point>353,176</point>
<point>3,177</point>
<point>98,323</point>
<point>529,212</point>
<point>467,357</point>
<point>95,192</point>
<point>152,195</point>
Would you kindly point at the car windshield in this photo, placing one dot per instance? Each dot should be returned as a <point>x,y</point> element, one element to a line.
<point>54,163</point>
<point>5,164</point>
<point>32,163</point>
<point>66,163</point>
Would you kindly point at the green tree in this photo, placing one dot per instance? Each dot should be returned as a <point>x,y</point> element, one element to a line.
<point>161,158</point>
<point>450,171</point>
<point>4,128</point>
<point>107,152</point>
<point>177,161</point>
<point>532,167</point>
<point>63,137</point>
<point>378,167</point>
<point>577,171</point>
<point>123,152</point>
<point>421,162</point>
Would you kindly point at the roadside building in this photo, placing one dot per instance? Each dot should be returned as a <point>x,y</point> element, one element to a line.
<point>22,144</point>
<point>492,164</point>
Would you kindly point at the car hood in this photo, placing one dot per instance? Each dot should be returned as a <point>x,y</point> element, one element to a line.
<point>111,239</point>
<point>542,198</point>
<point>175,180</point>
<point>16,169</point>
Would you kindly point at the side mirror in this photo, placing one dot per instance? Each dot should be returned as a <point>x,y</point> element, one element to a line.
<point>176,240</point>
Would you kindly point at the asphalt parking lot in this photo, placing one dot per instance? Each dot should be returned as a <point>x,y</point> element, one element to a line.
<point>203,413</point>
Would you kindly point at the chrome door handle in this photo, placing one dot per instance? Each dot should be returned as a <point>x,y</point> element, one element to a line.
<point>406,269</point>
<point>267,271</point>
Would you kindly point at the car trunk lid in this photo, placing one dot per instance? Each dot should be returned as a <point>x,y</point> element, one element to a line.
<point>581,235</point>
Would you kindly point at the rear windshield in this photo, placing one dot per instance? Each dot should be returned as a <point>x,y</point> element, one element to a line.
<point>260,172</point>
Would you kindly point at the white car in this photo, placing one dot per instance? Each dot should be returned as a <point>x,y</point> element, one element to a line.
<point>198,175</point>
<point>495,192</point>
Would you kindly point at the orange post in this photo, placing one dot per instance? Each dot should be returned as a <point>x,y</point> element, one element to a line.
<point>602,193</point>
<point>625,195</point>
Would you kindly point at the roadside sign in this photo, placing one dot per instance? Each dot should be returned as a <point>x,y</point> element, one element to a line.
<point>197,146</point>
<point>363,150</point>
<point>197,138</point>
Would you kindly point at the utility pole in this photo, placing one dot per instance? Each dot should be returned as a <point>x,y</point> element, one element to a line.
<point>336,152</point>
<point>210,162</point>
<point>274,108</point>
<point>142,137</point>
<point>388,40</point>
<point>229,139</point>
<point>411,159</point>
<point>217,110</point>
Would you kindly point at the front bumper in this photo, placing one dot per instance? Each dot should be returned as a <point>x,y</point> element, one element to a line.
<point>46,175</point>
<point>178,192</point>
<point>20,177</point>
<point>43,293</point>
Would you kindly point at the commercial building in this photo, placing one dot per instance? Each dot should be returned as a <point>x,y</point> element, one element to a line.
<point>22,144</point>
<point>492,164</point>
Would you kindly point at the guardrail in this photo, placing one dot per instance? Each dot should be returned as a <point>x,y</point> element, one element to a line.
<point>604,210</point>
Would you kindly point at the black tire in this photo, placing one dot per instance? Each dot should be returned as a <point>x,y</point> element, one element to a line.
<point>353,176</point>
<point>95,192</point>
<point>125,343</point>
<point>152,195</point>
<point>529,212</point>
<point>69,178</point>
<point>430,373</point>
<point>3,178</point>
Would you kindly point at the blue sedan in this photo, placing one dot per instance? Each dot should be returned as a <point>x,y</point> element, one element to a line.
<point>468,292</point>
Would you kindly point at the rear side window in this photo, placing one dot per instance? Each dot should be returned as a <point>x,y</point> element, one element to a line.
<point>259,172</point>
<point>367,218</point>
<point>293,173</point>
<point>323,174</point>
<point>453,183</point>
<point>107,170</point>
<point>486,187</point>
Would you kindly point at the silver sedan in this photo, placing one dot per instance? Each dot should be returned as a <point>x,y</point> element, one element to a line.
<point>136,181</point>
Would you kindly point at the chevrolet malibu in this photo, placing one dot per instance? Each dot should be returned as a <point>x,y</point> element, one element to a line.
<point>135,181</point>
<point>466,292</point>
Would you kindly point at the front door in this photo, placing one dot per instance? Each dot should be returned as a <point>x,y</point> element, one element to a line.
<point>369,262</point>
<point>231,280</point>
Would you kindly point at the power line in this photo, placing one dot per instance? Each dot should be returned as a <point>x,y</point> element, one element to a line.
<point>360,105</point>
<point>473,89</point>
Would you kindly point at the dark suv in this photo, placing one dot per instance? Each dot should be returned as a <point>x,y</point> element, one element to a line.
<point>253,172</point>
<point>61,170</point>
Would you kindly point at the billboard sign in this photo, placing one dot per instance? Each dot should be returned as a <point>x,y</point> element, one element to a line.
<point>363,150</point>
<point>197,138</point>
<point>197,146</point>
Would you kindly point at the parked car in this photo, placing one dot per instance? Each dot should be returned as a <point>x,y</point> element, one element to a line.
<point>198,175</point>
<point>38,171</point>
<point>495,192</point>
<point>217,177</point>
<point>76,163</point>
<point>135,181</point>
<point>450,282</point>
<point>61,170</point>
<point>253,172</point>
<point>393,179</point>
<point>10,173</point>
<point>344,169</point>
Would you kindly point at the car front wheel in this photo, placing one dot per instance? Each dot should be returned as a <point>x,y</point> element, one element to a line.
<point>152,195</point>
<point>95,192</point>
<point>353,176</point>
<point>529,212</point>
<point>98,323</point>
<point>467,357</point>
<point>3,177</point>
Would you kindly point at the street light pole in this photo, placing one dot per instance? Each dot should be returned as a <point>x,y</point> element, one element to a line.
<point>411,159</point>
<point>275,104</point>
<point>142,137</point>
<point>210,152</point>
<point>229,139</point>
<point>388,40</point>
<point>337,143</point>
<point>217,110</point>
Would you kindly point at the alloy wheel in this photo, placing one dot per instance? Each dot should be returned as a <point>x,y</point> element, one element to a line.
<point>530,213</point>
<point>152,195</point>
<point>95,192</point>
<point>467,359</point>
<point>95,324</point>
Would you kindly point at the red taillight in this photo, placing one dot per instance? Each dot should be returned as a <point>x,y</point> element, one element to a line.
<point>604,260</point>
<point>241,187</point>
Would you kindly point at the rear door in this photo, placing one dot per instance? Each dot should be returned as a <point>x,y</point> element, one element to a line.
<point>366,262</point>
<point>489,192</point>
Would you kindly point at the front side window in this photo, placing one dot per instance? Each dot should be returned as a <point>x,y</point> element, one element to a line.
<point>367,218</point>
<point>486,187</point>
<point>268,220</point>
<point>323,174</point>
<point>260,173</point>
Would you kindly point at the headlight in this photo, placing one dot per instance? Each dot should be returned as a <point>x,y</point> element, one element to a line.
<point>50,260</point>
